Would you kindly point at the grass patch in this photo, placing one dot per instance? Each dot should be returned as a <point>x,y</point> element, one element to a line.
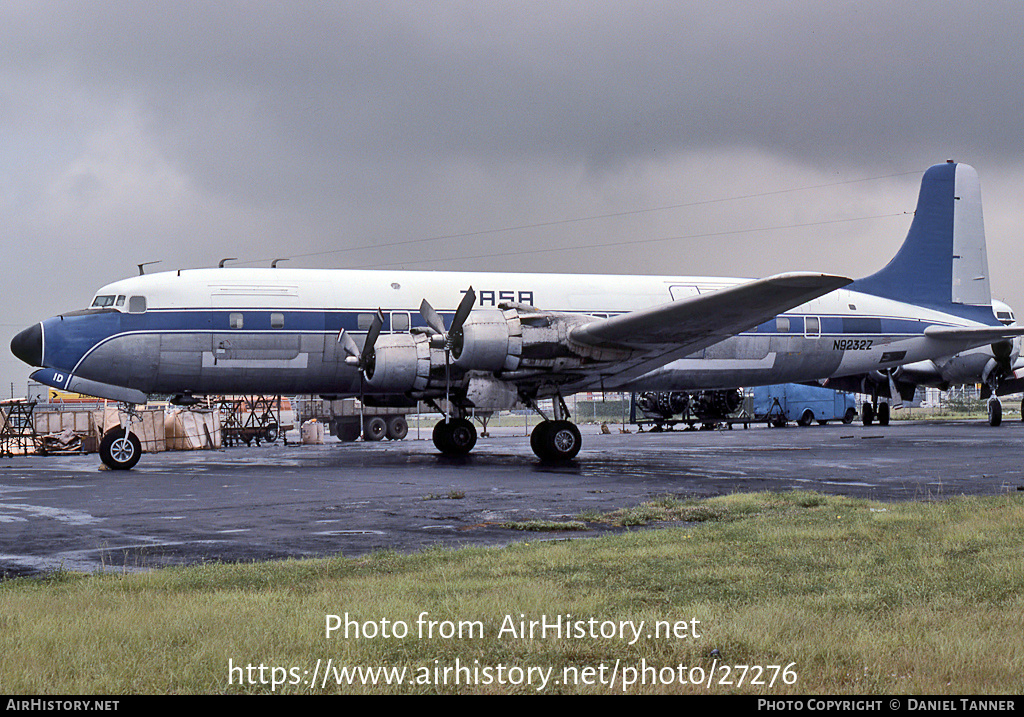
<point>450,495</point>
<point>719,509</point>
<point>853,596</point>
<point>542,525</point>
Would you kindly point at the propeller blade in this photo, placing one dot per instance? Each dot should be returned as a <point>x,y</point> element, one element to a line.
<point>371,338</point>
<point>894,395</point>
<point>348,343</point>
<point>462,313</point>
<point>432,318</point>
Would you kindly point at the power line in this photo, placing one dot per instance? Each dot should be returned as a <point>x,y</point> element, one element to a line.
<point>559,222</point>
<point>627,242</point>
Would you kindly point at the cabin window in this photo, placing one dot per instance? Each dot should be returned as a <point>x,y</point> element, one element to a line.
<point>137,305</point>
<point>364,321</point>
<point>276,321</point>
<point>400,321</point>
<point>782,325</point>
<point>235,320</point>
<point>812,327</point>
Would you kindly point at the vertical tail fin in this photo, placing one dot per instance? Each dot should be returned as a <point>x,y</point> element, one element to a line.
<point>943,260</point>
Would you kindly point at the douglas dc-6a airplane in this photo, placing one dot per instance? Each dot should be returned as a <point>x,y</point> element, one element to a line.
<point>515,338</point>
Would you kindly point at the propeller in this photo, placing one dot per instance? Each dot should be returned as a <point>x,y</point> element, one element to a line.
<point>363,360</point>
<point>446,338</point>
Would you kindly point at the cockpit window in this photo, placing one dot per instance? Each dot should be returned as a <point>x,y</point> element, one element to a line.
<point>120,301</point>
<point>1005,317</point>
<point>103,301</point>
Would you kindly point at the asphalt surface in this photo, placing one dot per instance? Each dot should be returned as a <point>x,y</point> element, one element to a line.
<point>277,501</point>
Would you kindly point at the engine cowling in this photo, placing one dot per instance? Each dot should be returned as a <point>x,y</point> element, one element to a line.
<point>401,363</point>
<point>491,340</point>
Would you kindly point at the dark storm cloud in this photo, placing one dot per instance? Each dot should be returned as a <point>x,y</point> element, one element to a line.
<point>310,90</point>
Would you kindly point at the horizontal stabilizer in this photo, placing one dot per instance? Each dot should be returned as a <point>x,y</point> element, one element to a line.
<point>979,334</point>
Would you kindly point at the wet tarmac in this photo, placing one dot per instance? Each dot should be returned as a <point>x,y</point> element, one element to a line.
<point>276,501</point>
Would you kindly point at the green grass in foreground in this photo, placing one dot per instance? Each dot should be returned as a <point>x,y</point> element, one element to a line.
<point>854,596</point>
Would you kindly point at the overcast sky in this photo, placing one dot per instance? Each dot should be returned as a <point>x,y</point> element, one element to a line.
<point>737,139</point>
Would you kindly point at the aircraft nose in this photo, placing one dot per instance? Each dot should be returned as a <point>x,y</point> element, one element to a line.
<point>28,345</point>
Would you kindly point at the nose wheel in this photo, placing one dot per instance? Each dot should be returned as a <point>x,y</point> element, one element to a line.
<point>120,450</point>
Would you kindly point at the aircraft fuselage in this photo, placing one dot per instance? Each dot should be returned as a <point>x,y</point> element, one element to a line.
<point>277,330</point>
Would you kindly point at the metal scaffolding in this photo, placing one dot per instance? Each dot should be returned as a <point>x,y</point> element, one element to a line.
<point>17,428</point>
<point>245,419</point>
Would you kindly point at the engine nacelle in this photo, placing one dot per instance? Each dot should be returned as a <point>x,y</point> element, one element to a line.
<point>491,340</point>
<point>401,363</point>
<point>486,392</point>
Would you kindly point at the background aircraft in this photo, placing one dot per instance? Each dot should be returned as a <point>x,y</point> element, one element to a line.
<point>998,367</point>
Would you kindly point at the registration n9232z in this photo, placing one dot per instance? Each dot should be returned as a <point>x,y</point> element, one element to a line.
<point>852,345</point>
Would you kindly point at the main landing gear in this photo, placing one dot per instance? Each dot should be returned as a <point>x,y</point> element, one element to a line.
<point>556,441</point>
<point>553,441</point>
<point>455,436</point>
<point>995,411</point>
<point>872,411</point>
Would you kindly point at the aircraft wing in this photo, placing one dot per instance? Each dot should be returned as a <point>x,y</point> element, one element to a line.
<point>662,334</point>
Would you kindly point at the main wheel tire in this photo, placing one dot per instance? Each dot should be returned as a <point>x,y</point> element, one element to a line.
<point>538,439</point>
<point>867,414</point>
<point>463,435</point>
<point>883,414</point>
<point>375,429</point>
<point>398,428</point>
<point>118,451</point>
<point>995,412</point>
<point>455,437</point>
<point>441,437</point>
<point>556,441</point>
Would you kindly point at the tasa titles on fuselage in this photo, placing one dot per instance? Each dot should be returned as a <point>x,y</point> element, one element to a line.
<point>489,297</point>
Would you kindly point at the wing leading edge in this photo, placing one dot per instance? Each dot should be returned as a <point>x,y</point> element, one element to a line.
<point>671,331</point>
